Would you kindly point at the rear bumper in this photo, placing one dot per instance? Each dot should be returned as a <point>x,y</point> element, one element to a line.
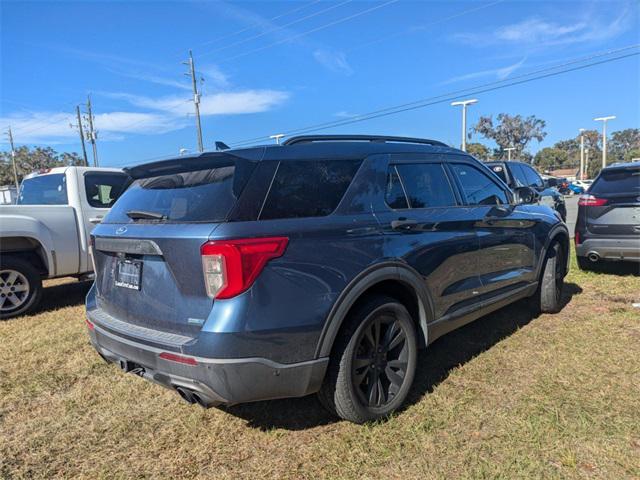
<point>610,248</point>
<point>211,381</point>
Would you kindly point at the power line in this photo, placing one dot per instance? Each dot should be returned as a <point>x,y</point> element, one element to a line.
<point>245,40</point>
<point>250,27</point>
<point>313,30</point>
<point>487,87</point>
<point>92,134</point>
<point>423,27</point>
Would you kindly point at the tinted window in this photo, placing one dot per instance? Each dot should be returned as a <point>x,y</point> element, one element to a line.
<point>500,171</point>
<point>308,188</point>
<point>478,187</point>
<point>533,179</point>
<point>518,174</point>
<point>197,196</point>
<point>394,195</point>
<point>44,190</point>
<point>103,189</point>
<point>426,185</point>
<point>625,181</point>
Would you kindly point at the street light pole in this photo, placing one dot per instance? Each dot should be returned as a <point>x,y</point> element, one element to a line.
<point>509,152</point>
<point>464,104</point>
<point>604,121</point>
<point>581,173</point>
<point>277,137</point>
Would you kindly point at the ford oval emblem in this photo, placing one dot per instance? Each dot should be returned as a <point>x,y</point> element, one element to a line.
<point>121,230</point>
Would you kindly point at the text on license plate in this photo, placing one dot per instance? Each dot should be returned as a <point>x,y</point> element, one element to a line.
<point>128,274</point>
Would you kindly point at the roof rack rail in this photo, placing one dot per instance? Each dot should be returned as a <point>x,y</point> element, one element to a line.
<point>361,138</point>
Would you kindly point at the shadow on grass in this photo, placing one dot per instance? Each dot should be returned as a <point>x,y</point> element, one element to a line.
<point>434,364</point>
<point>616,268</point>
<point>64,295</point>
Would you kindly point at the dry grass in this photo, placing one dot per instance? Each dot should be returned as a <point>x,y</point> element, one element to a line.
<point>507,396</point>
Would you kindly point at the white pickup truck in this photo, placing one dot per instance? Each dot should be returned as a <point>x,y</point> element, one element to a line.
<point>46,235</point>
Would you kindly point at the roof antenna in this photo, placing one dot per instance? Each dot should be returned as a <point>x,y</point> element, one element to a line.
<point>221,146</point>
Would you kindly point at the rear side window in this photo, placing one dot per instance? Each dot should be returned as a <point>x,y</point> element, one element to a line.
<point>519,176</point>
<point>308,188</point>
<point>478,187</point>
<point>532,177</point>
<point>103,189</point>
<point>206,195</point>
<point>619,181</point>
<point>425,185</point>
<point>44,190</point>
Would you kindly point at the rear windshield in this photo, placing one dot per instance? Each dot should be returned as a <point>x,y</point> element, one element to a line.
<point>206,195</point>
<point>625,181</point>
<point>44,190</point>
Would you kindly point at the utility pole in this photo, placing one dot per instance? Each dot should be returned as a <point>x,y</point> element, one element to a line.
<point>581,173</point>
<point>509,149</point>
<point>13,160</point>
<point>92,134</point>
<point>80,130</point>
<point>604,121</point>
<point>464,104</point>
<point>196,97</point>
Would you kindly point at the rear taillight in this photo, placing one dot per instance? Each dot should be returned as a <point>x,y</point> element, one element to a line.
<point>577,238</point>
<point>90,325</point>
<point>231,266</point>
<point>591,201</point>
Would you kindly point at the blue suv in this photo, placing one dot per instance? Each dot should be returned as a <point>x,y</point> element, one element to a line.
<point>320,265</point>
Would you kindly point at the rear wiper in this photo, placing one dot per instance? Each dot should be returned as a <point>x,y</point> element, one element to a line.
<point>145,215</point>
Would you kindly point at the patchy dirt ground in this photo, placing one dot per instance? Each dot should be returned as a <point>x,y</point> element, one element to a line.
<point>508,396</point>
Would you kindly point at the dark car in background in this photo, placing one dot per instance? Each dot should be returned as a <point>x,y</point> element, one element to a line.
<point>519,174</point>
<point>320,265</point>
<point>608,224</point>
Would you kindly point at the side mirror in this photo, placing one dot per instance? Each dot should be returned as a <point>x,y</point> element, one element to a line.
<point>525,195</point>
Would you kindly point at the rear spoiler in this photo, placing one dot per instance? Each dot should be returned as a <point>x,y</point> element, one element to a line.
<point>191,163</point>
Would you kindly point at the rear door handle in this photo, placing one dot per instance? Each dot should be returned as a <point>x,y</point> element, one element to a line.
<point>403,224</point>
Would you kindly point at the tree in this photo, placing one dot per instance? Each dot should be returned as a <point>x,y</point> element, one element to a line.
<point>622,143</point>
<point>480,151</point>
<point>511,131</point>
<point>30,160</point>
<point>551,158</point>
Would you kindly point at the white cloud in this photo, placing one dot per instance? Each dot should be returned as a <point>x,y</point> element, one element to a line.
<point>223,103</point>
<point>213,75</point>
<point>539,32</point>
<point>499,73</point>
<point>334,61</point>
<point>166,114</point>
<point>345,114</point>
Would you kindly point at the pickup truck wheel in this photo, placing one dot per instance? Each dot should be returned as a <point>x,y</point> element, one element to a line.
<point>373,362</point>
<point>20,287</point>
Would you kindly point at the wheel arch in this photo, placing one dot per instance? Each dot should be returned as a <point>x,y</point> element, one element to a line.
<point>558,234</point>
<point>394,279</point>
<point>30,249</point>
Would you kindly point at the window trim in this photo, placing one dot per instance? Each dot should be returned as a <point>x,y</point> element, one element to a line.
<point>465,202</point>
<point>456,196</point>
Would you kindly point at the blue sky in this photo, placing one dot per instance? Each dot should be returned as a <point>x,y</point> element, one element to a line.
<point>273,66</point>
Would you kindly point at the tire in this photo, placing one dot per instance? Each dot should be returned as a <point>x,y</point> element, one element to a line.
<point>584,263</point>
<point>20,287</point>
<point>548,296</point>
<point>351,389</point>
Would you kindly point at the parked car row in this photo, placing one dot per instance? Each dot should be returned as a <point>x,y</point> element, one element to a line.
<point>320,265</point>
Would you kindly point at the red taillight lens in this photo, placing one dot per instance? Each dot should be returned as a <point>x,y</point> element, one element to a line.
<point>577,238</point>
<point>90,325</point>
<point>591,201</point>
<point>231,266</point>
<point>173,357</point>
